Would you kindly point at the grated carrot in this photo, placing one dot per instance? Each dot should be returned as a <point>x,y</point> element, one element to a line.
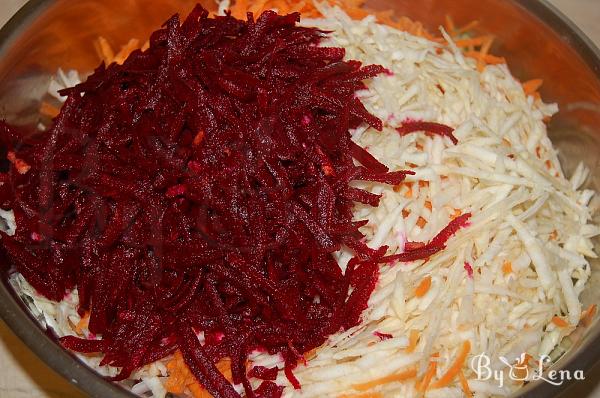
<point>421,222</point>
<point>257,6</point>
<point>457,213</point>
<point>125,51</point>
<point>507,267</point>
<point>180,376</point>
<point>198,138</point>
<point>413,340</point>
<point>367,395</point>
<point>532,86</point>
<point>104,50</point>
<point>588,315</point>
<point>406,375</point>
<point>558,321</point>
<point>450,27</point>
<point>198,391</point>
<point>475,41</point>
<point>485,49</point>
<point>356,13</point>
<point>239,9</point>
<point>456,367</point>
<point>47,109</point>
<point>423,287</point>
<point>83,323</point>
<point>409,193</point>
<point>428,205</point>
<point>487,59</point>
<point>466,28</point>
<point>464,384</point>
<point>21,165</point>
<point>178,373</point>
<point>422,385</point>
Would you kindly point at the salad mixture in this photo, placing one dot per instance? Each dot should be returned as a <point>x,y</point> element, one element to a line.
<point>306,200</point>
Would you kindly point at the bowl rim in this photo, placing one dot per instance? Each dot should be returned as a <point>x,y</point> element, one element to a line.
<point>23,325</point>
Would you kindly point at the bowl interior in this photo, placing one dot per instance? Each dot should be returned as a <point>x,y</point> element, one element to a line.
<point>535,39</point>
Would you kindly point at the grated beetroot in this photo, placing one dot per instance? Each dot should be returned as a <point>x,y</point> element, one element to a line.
<point>201,188</point>
<point>412,126</point>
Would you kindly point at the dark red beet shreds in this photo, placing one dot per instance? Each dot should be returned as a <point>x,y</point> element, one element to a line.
<point>202,187</point>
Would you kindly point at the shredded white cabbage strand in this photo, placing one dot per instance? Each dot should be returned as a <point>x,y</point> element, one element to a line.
<point>527,242</point>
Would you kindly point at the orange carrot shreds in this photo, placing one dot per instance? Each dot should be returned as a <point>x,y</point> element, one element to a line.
<point>198,138</point>
<point>423,287</point>
<point>475,41</point>
<point>588,315</point>
<point>538,151</point>
<point>456,367</point>
<point>532,86</point>
<point>126,50</point>
<point>428,205</point>
<point>422,385</point>
<point>224,366</point>
<point>482,54</point>
<point>558,321</point>
<point>367,395</point>
<point>298,6</point>
<point>449,25</point>
<point>405,213</point>
<point>553,235</point>
<point>104,50</point>
<point>409,192</point>
<point>198,391</point>
<point>356,13</point>
<point>21,165</point>
<point>548,164</point>
<point>488,59</point>
<point>310,354</point>
<point>467,28</point>
<point>464,384</point>
<point>494,60</point>
<point>404,24</point>
<point>239,9</point>
<point>457,213</point>
<point>83,323</point>
<point>257,6</point>
<point>402,376</point>
<point>421,222</point>
<point>178,374</point>
<point>507,267</point>
<point>47,109</point>
<point>413,340</point>
<point>423,184</point>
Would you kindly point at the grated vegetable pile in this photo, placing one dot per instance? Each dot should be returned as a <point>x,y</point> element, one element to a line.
<point>507,286</point>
